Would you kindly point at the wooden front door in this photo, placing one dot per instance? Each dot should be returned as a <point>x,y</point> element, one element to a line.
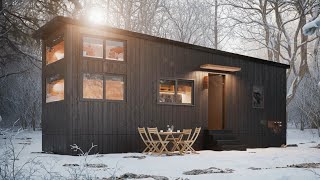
<point>216,102</point>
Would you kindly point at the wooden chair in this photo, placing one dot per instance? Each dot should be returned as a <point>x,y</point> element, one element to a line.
<point>183,137</point>
<point>157,141</point>
<point>187,144</point>
<point>146,140</point>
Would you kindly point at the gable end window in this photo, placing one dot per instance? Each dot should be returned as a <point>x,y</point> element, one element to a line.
<point>177,91</point>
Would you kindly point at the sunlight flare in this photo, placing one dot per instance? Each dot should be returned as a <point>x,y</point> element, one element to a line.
<point>95,16</point>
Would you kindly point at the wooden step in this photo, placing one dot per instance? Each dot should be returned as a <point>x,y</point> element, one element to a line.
<point>222,140</point>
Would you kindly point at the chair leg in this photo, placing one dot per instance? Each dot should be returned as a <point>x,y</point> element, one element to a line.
<point>148,148</point>
<point>156,148</point>
<point>164,147</point>
<point>187,147</point>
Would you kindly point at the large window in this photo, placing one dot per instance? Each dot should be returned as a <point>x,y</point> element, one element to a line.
<point>108,87</point>
<point>54,88</point>
<point>103,48</point>
<point>55,50</point>
<point>176,91</point>
<point>92,86</point>
<point>92,47</point>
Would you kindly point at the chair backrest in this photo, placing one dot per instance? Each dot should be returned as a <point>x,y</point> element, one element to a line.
<point>153,132</point>
<point>143,134</point>
<point>195,134</point>
<point>187,132</point>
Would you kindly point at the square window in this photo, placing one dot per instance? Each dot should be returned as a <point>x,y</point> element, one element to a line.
<point>92,86</point>
<point>54,88</point>
<point>114,87</point>
<point>55,51</point>
<point>92,47</point>
<point>115,50</point>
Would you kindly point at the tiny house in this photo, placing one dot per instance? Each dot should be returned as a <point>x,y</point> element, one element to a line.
<point>100,83</point>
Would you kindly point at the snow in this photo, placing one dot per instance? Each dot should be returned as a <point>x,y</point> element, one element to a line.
<point>311,27</point>
<point>174,166</point>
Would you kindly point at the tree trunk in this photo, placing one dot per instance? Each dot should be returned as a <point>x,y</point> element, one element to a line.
<point>216,24</point>
<point>301,123</point>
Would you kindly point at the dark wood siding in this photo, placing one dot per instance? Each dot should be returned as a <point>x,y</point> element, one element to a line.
<point>55,121</point>
<point>113,125</point>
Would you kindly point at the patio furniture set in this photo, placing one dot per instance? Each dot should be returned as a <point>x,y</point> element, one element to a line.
<point>157,142</point>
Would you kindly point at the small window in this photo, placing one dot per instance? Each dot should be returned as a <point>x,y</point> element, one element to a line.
<point>114,88</point>
<point>115,50</point>
<point>176,91</point>
<point>92,47</point>
<point>55,50</point>
<point>167,91</point>
<point>54,88</point>
<point>92,86</point>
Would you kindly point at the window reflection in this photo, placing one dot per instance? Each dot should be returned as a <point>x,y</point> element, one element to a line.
<point>114,87</point>
<point>115,50</point>
<point>92,86</point>
<point>54,88</point>
<point>184,92</point>
<point>55,52</point>
<point>166,91</point>
<point>92,47</point>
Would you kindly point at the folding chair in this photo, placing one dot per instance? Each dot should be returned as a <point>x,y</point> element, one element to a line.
<point>153,133</point>
<point>187,144</point>
<point>185,136</point>
<point>146,140</point>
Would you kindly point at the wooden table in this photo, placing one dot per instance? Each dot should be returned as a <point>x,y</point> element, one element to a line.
<point>174,138</point>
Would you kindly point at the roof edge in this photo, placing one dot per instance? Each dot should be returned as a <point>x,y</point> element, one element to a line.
<point>47,29</point>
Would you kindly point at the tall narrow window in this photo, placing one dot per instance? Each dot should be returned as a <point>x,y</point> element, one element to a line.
<point>167,91</point>
<point>54,88</point>
<point>92,47</point>
<point>92,86</point>
<point>114,87</point>
<point>184,92</point>
<point>55,50</point>
<point>115,50</point>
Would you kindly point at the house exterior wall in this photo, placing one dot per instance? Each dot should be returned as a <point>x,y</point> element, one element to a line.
<point>113,125</point>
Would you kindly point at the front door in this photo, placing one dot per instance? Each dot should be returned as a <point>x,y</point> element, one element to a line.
<point>216,102</point>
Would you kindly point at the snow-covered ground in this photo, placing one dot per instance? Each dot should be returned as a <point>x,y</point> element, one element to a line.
<point>245,164</point>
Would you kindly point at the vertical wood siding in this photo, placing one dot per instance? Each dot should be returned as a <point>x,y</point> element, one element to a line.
<point>113,125</point>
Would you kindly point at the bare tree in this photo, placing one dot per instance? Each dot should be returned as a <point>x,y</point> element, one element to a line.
<point>277,27</point>
<point>309,102</point>
<point>20,54</point>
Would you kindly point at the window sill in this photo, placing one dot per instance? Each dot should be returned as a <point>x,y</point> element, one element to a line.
<point>102,100</point>
<point>174,104</point>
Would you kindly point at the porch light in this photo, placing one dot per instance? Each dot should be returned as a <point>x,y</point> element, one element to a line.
<point>220,68</point>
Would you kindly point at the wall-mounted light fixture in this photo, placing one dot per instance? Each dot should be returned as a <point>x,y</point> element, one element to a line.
<point>205,82</point>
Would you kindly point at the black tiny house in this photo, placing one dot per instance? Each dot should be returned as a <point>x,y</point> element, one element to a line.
<point>101,83</point>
